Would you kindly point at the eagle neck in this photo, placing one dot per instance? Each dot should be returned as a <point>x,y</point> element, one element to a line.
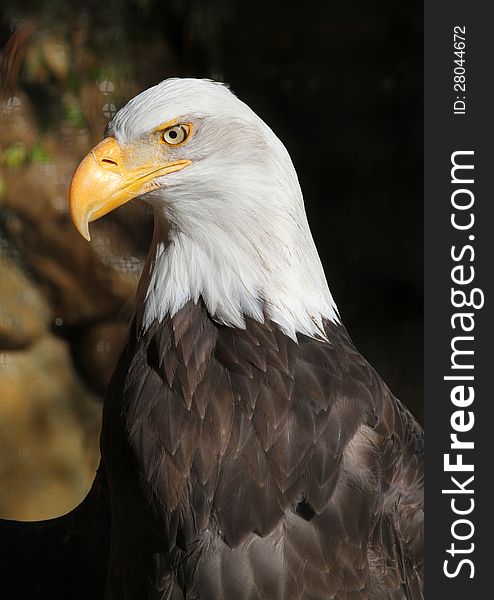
<point>235,278</point>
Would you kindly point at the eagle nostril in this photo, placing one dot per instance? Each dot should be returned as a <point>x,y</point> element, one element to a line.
<point>109,162</point>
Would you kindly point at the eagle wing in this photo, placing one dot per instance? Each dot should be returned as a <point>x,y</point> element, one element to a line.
<point>261,467</point>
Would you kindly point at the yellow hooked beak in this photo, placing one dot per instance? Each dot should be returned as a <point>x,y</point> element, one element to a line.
<point>103,182</point>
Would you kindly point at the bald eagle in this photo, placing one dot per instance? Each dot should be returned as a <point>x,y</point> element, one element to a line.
<point>247,449</point>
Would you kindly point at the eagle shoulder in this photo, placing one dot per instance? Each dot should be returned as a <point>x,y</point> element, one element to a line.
<point>271,468</point>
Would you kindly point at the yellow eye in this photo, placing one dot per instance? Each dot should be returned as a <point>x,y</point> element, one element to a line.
<point>175,135</point>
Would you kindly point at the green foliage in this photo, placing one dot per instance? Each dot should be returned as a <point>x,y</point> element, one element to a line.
<point>3,188</point>
<point>73,115</point>
<point>14,156</point>
<point>39,155</point>
<point>17,155</point>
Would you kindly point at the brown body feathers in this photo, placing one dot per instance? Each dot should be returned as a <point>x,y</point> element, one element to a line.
<point>245,465</point>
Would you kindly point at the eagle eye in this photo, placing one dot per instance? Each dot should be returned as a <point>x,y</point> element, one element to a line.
<point>175,135</point>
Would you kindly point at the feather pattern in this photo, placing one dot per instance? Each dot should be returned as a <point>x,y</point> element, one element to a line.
<point>259,467</point>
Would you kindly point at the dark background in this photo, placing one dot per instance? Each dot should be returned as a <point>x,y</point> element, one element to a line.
<point>340,83</point>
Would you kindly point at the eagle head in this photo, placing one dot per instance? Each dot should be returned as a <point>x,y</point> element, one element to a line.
<point>230,223</point>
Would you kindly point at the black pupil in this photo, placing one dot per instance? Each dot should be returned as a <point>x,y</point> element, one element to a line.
<point>172,134</point>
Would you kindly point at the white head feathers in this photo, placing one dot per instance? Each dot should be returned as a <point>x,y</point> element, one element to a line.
<point>231,227</point>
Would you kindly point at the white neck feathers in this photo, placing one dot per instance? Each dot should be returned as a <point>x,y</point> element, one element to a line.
<point>237,275</point>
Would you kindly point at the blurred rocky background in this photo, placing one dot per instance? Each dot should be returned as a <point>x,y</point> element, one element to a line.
<point>340,83</point>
